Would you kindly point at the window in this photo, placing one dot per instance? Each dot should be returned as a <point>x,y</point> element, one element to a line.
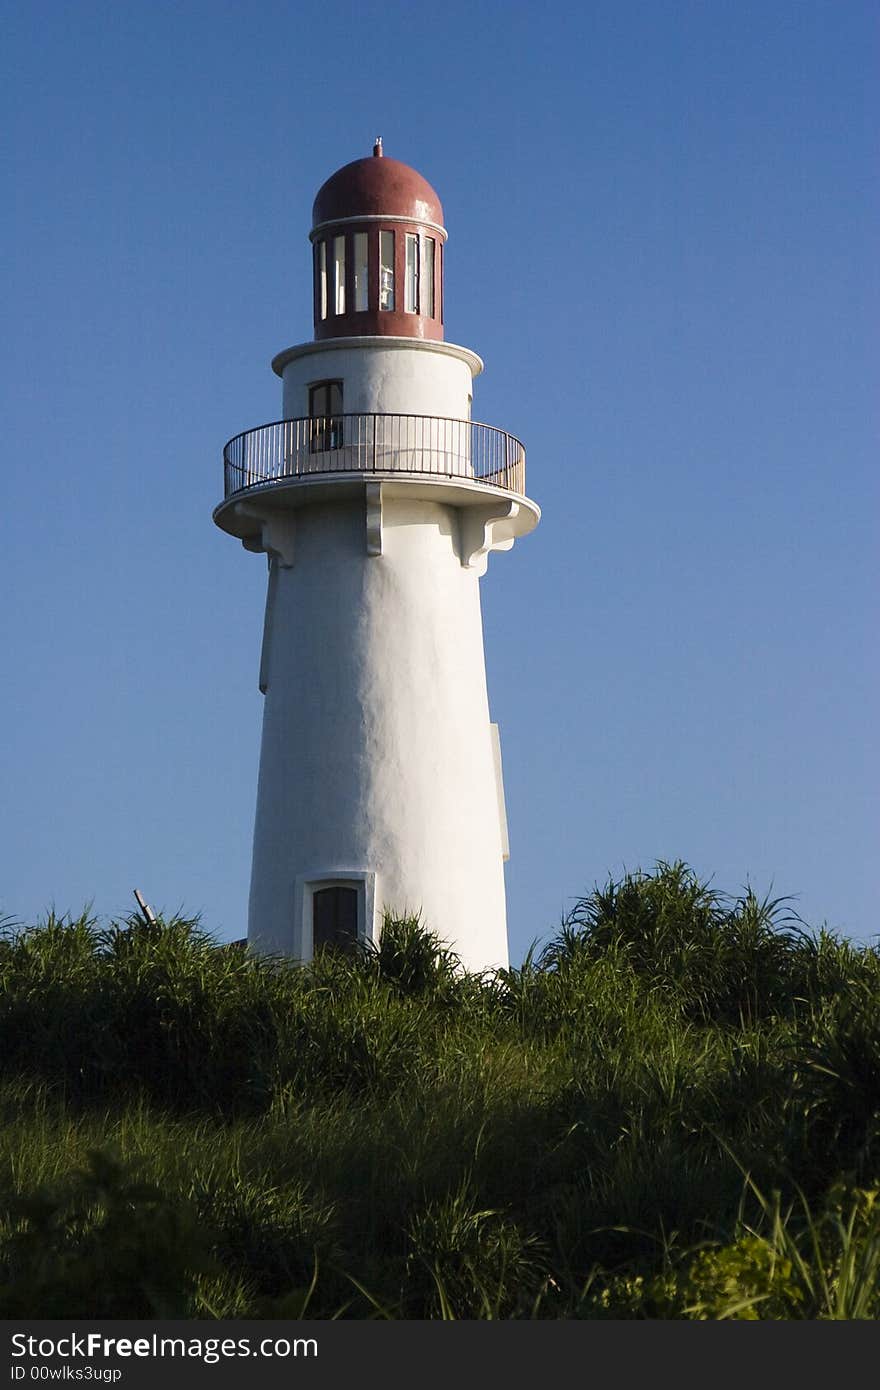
<point>339,275</point>
<point>325,413</point>
<point>361,273</point>
<point>386,270</point>
<point>322,277</point>
<point>335,919</point>
<point>411,280</point>
<point>427,276</point>
<point>335,909</point>
<point>421,264</point>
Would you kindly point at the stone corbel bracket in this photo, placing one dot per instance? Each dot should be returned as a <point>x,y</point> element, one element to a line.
<point>485,528</point>
<point>275,536</point>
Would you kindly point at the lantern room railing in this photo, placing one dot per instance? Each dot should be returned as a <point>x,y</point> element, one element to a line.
<point>410,444</point>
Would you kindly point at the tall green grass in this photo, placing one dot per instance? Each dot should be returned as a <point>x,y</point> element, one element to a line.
<point>194,1131</point>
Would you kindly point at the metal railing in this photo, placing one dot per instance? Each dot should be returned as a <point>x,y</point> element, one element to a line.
<point>374,443</point>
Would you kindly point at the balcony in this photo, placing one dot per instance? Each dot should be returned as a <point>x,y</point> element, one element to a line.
<point>408,445</point>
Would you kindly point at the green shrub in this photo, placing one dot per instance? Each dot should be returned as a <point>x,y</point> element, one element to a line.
<point>103,1244</point>
<point>412,958</point>
<point>468,1263</point>
<point>837,1083</point>
<point>272,1236</point>
<point>794,1264</point>
<point>386,1135</point>
<point>727,961</point>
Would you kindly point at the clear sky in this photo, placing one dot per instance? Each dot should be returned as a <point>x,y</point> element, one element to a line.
<point>663,229</point>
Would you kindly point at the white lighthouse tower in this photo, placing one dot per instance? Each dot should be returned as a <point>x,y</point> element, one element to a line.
<point>377,500</point>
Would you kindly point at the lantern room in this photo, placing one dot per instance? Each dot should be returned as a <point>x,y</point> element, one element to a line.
<point>377,237</point>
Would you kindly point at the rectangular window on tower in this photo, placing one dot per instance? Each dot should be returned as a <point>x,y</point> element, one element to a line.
<point>339,275</point>
<point>335,919</point>
<point>386,270</point>
<point>427,276</point>
<point>325,416</point>
<point>361,273</point>
<point>411,282</point>
<point>333,912</point>
<point>322,277</point>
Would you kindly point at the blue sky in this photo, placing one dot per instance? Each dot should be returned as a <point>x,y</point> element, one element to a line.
<point>663,226</point>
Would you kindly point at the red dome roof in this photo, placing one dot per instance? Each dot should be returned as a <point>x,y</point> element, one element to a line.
<point>376,187</point>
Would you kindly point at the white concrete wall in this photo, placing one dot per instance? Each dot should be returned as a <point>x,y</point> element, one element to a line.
<point>396,376</point>
<point>377,752</point>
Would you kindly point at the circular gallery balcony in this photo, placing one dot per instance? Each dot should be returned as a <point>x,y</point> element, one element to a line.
<point>427,446</point>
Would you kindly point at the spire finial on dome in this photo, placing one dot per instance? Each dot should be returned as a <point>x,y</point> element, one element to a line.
<point>377,148</point>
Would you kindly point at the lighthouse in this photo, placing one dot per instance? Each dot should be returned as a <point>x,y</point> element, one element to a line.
<point>377,499</point>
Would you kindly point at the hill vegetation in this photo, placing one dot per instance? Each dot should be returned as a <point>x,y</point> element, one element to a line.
<point>671,1111</point>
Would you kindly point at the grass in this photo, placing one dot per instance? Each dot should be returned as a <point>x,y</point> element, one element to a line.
<point>673,1110</point>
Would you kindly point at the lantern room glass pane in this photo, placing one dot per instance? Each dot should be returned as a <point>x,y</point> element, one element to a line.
<point>386,270</point>
<point>361,273</point>
<point>427,277</point>
<point>339,274</point>
<point>322,276</point>
<point>411,283</point>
